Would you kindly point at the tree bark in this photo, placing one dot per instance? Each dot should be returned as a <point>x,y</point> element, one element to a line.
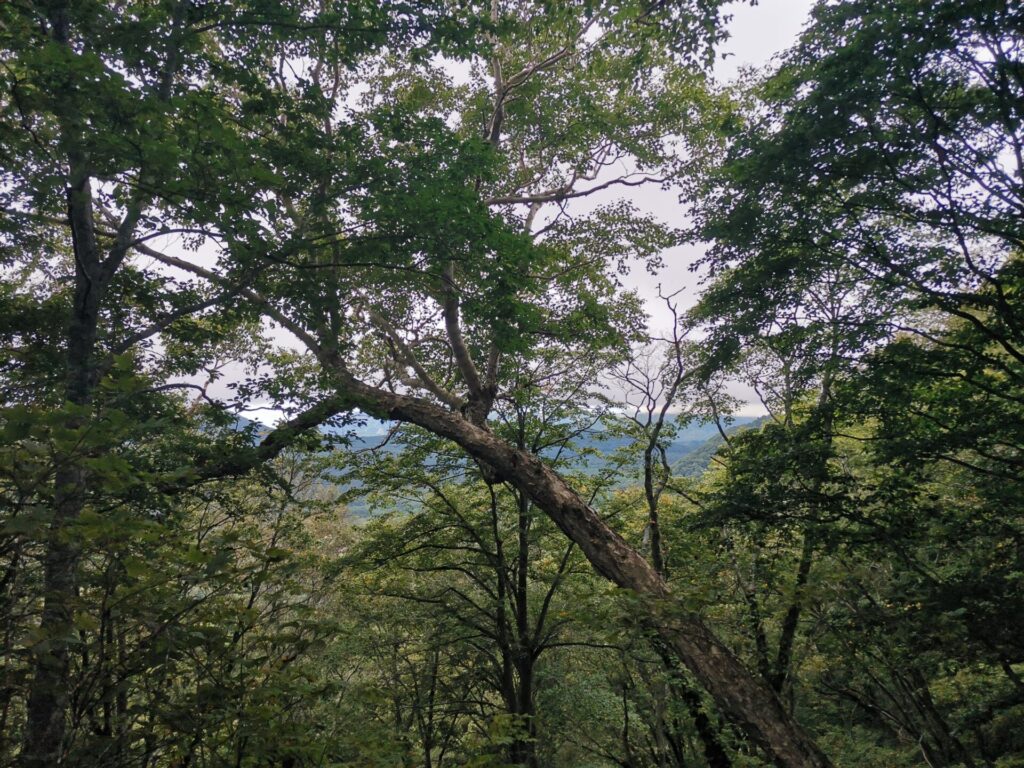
<point>787,638</point>
<point>47,703</point>
<point>651,495</point>
<point>523,751</point>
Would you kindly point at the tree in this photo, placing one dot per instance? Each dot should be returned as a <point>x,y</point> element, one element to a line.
<point>886,146</point>
<point>883,152</point>
<point>476,557</point>
<point>423,209</point>
<point>459,259</point>
<point>117,128</point>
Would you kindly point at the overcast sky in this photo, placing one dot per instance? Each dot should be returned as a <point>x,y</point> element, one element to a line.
<point>757,33</point>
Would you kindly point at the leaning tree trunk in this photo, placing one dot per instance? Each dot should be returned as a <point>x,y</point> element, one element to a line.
<point>749,701</point>
<point>746,699</point>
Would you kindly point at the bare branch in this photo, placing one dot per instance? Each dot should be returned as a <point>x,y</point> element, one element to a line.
<point>566,192</point>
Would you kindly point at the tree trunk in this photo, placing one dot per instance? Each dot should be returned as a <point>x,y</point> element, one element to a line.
<point>714,752</point>
<point>653,524</point>
<point>523,748</point>
<point>784,658</point>
<point>48,698</point>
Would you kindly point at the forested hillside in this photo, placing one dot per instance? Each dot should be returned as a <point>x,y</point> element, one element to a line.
<point>270,265</point>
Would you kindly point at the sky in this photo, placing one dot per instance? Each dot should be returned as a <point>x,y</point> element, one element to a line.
<point>756,34</point>
<point>760,31</point>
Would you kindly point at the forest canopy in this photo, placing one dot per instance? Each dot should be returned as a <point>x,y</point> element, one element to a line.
<point>336,431</point>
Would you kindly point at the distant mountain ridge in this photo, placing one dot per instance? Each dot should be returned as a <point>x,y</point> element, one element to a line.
<point>690,451</point>
<point>689,454</point>
<point>696,437</point>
